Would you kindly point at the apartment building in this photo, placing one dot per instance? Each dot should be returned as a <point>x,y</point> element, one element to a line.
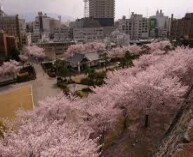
<point>43,28</point>
<point>183,27</point>
<point>63,33</point>
<point>137,27</point>
<point>159,25</point>
<point>13,26</point>
<point>88,34</point>
<point>88,29</point>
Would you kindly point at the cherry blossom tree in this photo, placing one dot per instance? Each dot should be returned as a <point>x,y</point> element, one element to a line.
<point>95,47</point>
<point>32,52</point>
<point>73,49</point>
<point>134,49</point>
<point>24,58</point>
<point>118,52</point>
<point>85,48</point>
<point>9,68</point>
<point>162,45</point>
<point>61,126</point>
<point>54,129</point>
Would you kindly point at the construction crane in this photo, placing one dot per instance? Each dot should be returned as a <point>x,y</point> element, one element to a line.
<point>1,8</point>
<point>1,5</point>
<point>86,8</point>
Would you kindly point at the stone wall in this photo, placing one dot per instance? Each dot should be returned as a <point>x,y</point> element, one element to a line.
<point>177,133</point>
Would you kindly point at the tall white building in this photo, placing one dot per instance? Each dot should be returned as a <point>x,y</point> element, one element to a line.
<point>159,25</point>
<point>103,11</point>
<point>36,34</point>
<point>43,28</point>
<point>137,26</point>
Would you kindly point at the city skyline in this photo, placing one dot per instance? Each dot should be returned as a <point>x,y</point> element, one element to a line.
<point>75,9</point>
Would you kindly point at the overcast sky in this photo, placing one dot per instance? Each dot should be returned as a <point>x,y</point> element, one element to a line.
<point>74,8</point>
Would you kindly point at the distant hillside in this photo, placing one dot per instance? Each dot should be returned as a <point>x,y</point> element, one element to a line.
<point>31,16</point>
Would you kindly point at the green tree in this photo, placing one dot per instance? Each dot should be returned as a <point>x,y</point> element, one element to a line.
<point>62,68</point>
<point>13,54</point>
<point>126,61</point>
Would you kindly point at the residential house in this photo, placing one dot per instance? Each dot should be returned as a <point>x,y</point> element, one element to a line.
<point>81,61</point>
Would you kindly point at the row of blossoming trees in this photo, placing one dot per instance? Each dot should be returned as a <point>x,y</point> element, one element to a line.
<point>85,48</point>
<point>135,50</point>
<point>72,127</point>
<point>118,52</point>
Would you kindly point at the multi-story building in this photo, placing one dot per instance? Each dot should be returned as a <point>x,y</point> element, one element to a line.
<point>84,23</point>
<point>63,33</point>
<point>183,27</point>
<point>55,50</point>
<point>7,44</point>
<point>159,25</point>
<point>36,33</point>
<point>43,27</point>
<point>89,29</point>
<point>103,11</point>
<point>137,27</point>
<point>88,34</point>
<point>13,26</point>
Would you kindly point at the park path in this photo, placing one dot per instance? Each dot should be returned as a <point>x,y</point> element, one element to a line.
<point>43,86</point>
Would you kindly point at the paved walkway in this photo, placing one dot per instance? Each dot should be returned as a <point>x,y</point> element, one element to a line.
<point>43,86</point>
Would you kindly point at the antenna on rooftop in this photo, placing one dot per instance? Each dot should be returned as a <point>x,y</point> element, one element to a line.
<point>86,8</point>
<point>1,8</point>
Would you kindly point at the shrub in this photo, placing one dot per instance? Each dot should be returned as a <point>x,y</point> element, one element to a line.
<point>87,81</point>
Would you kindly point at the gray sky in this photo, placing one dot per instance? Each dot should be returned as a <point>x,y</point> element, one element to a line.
<point>74,8</point>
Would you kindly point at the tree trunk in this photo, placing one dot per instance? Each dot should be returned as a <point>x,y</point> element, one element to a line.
<point>146,120</point>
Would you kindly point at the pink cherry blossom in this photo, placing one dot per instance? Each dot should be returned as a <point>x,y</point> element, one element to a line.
<point>119,52</point>
<point>10,67</point>
<point>68,126</point>
<point>159,45</point>
<point>32,51</point>
<point>85,48</point>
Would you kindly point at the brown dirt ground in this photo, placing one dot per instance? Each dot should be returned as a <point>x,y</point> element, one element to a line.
<point>11,101</point>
